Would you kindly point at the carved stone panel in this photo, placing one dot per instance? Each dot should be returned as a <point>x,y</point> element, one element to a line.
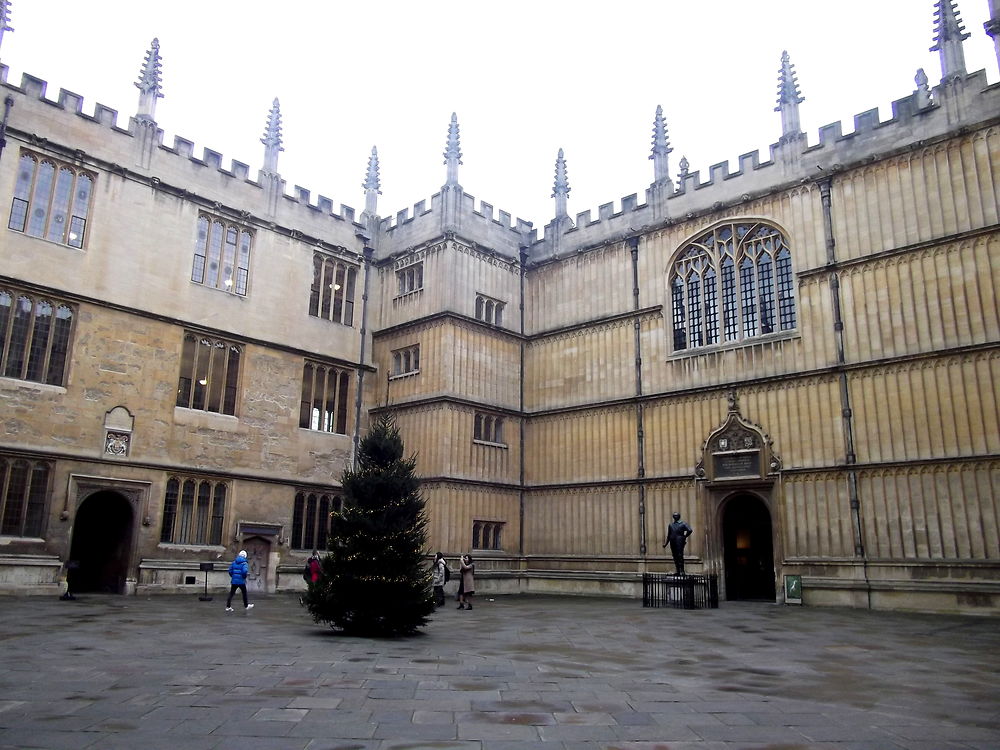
<point>738,450</point>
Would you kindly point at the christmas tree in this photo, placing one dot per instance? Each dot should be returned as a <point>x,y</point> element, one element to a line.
<point>375,579</point>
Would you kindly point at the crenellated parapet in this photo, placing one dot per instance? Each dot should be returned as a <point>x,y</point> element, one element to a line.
<point>925,115</point>
<point>63,128</point>
<point>479,223</point>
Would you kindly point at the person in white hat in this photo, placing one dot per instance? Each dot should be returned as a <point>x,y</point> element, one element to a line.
<point>239,569</point>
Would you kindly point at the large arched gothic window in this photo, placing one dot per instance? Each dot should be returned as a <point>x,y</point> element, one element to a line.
<point>733,282</point>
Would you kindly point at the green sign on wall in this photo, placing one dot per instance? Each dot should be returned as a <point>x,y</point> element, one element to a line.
<point>793,589</point>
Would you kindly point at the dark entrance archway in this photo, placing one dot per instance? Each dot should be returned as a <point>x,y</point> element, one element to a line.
<point>102,534</point>
<point>748,549</point>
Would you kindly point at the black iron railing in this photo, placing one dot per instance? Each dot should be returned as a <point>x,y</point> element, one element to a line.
<point>680,591</point>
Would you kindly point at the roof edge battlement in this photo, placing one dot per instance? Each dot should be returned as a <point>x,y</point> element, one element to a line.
<point>112,151</point>
<point>957,104</point>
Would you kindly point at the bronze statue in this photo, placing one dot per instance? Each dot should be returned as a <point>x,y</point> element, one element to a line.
<point>677,534</point>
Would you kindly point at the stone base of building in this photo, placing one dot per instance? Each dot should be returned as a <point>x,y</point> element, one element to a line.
<point>951,588</point>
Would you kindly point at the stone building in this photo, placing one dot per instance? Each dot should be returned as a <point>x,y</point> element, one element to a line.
<point>799,357</point>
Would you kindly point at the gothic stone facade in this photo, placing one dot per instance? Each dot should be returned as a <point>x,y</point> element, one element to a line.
<point>800,358</point>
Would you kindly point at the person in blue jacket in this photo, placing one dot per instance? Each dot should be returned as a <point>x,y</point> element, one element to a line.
<point>239,569</point>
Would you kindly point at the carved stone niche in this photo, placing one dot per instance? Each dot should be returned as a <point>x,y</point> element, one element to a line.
<point>118,423</point>
<point>739,450</point>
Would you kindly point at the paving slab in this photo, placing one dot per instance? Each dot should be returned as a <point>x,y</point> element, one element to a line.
<point>517,672</point>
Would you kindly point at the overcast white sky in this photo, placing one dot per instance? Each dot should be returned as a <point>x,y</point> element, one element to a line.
<point>526,77</point>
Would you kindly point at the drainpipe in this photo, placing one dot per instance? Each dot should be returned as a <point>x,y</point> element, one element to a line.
<point>850,457</point>
<point>356,438</point>
<point>633,245</point>
<point>523,254</point>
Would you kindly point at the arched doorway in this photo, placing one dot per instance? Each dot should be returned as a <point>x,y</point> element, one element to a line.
<point>748,550</point>
<point>102,535</point>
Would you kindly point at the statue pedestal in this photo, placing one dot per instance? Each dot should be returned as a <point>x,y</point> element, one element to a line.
<point>680,591</point>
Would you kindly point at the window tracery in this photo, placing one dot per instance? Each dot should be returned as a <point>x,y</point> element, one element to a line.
<point>710,306</point>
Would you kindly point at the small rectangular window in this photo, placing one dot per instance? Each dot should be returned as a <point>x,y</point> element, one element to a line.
<point>488,428</point>
<point>410,279</point>
<point>489,310</point>
<point>406,361</point>
<point>487,535</point>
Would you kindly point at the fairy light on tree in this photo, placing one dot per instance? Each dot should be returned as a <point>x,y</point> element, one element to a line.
<point>375,579</point>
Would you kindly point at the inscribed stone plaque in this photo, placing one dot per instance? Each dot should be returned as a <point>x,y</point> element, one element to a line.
<point>737,464</point>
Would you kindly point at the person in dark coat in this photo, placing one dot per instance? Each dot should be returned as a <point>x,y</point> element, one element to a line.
<point>239,570</point>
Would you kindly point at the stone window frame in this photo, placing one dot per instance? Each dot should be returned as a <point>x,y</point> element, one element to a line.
<point>325,401</point>
<point>489,310</point>
<point>194,510</point>
<point>405,361</point>
<point>730,284</point>
<point>311,512</point>
<point>226,245</point>
<point>25,495</point>
<point>487,429</point>
<point>331,296</point>
<point>209,383</point>
<point>25,318</point>
<point>410,279</point>
<point>487,535</point>
<point>52,200</point>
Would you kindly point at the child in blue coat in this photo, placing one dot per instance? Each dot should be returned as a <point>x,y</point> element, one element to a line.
<point>239,569</point>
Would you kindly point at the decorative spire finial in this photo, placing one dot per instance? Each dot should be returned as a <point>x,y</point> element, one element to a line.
<point>452,151</point>
<point>272,138</point>
<point>923,92</point>
<point>661,148</point>
<point>789,100</point>
<point>149,84</point>
<point>684,165</point>
<point>561,188</point>
<point>372,181</point>
<point>949,33</point>
<point>372,184</point>
<point>4,18</point>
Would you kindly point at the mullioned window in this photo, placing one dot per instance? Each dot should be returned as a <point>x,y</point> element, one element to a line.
<point>222,255</point>
<point>34,337</point>
<point>51,200</point>
<point>732,283</point>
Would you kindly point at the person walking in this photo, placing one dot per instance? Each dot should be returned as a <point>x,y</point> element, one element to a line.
<point>468,588</point>
<point>239,569</point>
<point>439,572</point>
